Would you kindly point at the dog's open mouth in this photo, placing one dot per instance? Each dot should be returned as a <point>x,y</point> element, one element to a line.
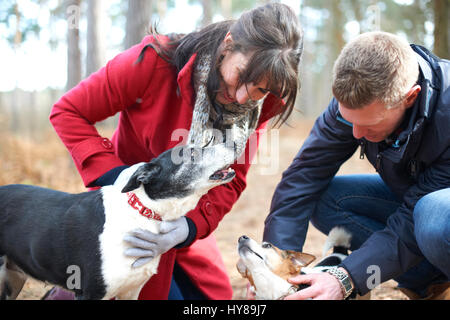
<point>223,174</point>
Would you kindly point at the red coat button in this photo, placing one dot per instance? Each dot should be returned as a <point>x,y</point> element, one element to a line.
<point>106,143</point>
<point>209,208</point>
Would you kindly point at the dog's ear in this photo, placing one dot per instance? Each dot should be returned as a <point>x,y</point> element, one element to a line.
<point>301,259</point>
<point>143,174</point>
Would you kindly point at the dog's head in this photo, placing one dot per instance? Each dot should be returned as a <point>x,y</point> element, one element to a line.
<point>268,268</point>
<point>184,172</point>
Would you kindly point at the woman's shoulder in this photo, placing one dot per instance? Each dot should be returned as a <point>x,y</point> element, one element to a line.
<point>143,53</point>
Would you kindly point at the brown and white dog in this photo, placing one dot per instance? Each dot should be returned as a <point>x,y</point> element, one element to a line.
<point>267,268</point>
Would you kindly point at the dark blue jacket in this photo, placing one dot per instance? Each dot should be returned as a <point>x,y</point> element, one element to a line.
<point>416,164</point>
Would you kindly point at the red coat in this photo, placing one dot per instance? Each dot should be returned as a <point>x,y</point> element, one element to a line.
<point>146,95</point>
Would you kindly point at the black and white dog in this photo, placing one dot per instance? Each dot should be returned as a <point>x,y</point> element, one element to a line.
<point>43,232</point>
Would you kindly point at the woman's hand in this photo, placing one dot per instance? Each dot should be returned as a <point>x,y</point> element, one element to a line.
<point>323,286</point>
<point>146,245</point>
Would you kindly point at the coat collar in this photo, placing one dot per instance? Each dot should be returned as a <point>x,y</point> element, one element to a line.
<point>185,83</point>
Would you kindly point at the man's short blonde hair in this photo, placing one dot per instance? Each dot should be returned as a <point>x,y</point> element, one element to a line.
<point>375,66</point>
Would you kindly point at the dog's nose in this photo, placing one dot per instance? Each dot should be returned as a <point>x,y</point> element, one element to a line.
<point>243,238</point>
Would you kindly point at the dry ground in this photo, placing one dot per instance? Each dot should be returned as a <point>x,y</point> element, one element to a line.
<point>48,164</point>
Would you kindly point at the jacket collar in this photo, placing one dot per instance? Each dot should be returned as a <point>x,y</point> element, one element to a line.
<point>409,139</point>
<point>429,82</point>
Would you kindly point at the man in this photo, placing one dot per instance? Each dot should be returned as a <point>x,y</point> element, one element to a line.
<point>392,100</point>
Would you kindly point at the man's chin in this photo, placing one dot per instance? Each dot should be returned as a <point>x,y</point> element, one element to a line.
<point>374,139</point>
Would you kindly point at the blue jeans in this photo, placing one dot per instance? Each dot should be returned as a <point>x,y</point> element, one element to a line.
<point>362,205</point>
<point>182,288</point>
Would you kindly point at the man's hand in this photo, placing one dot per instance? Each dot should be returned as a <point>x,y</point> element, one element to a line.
<point>147,245</point>
<point>250,292</point>
<point>323,286</point>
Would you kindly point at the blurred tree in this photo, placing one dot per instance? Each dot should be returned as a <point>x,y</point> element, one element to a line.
<point>18,27</point>
<point>441,34</point>
<point>226,7</point>
<point>138,21</point>
<point>73,15</point>
<point>207,12</point>
<point>95,54</point>
<point>161,8</point>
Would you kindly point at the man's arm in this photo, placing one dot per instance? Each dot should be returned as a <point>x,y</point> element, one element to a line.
<point>329,144</point>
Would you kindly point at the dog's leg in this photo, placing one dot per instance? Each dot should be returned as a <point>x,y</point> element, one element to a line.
<point>130,294</point>
<point>12,279</point>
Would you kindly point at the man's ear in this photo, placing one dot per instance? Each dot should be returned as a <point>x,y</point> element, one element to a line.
<point>412,95</point>
<point>143,174</point>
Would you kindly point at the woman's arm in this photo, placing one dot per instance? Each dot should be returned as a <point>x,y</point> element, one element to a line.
<point>106,92</point>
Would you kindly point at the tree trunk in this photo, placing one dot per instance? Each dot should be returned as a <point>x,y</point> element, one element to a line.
<point>161,8</point>
<point>73,43</point>
<point>441,16</point>
<point>138,21</point>
<point>337,26</point>
<point>226,7</point>
<point>95,55</point>
<point>207,12</point>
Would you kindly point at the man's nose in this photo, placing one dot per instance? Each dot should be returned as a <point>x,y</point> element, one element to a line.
<point>358,132</point>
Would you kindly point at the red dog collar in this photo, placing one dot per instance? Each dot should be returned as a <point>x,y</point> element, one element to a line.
<point>136,204</point>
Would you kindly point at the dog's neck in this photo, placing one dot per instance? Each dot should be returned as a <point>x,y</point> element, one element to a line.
<point>270,286</point>
<point>164,209</point>
<point>136,204</point>
<point>170,208</point>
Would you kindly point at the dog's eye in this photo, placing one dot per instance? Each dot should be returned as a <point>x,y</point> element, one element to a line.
<point>266,245</point>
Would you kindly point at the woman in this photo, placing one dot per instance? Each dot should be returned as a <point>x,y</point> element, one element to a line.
<point>229,78</point>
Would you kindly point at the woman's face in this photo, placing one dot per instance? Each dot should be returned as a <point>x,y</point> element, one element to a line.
<point>233,64</point>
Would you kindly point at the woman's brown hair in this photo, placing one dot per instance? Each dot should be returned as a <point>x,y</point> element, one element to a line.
<point>270,34</point>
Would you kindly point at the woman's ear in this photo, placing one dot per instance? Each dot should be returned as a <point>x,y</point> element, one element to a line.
<point>228,38</point>
<point>227,43</point>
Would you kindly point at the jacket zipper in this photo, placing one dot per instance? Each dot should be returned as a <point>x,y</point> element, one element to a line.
<point>413,168</point>
<point>378,162</point>
<point>363,149</point>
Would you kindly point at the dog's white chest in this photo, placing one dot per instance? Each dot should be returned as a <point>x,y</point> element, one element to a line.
<point>121,219</point>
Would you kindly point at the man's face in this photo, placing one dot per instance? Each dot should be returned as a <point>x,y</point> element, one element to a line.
<point>374,122</point>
